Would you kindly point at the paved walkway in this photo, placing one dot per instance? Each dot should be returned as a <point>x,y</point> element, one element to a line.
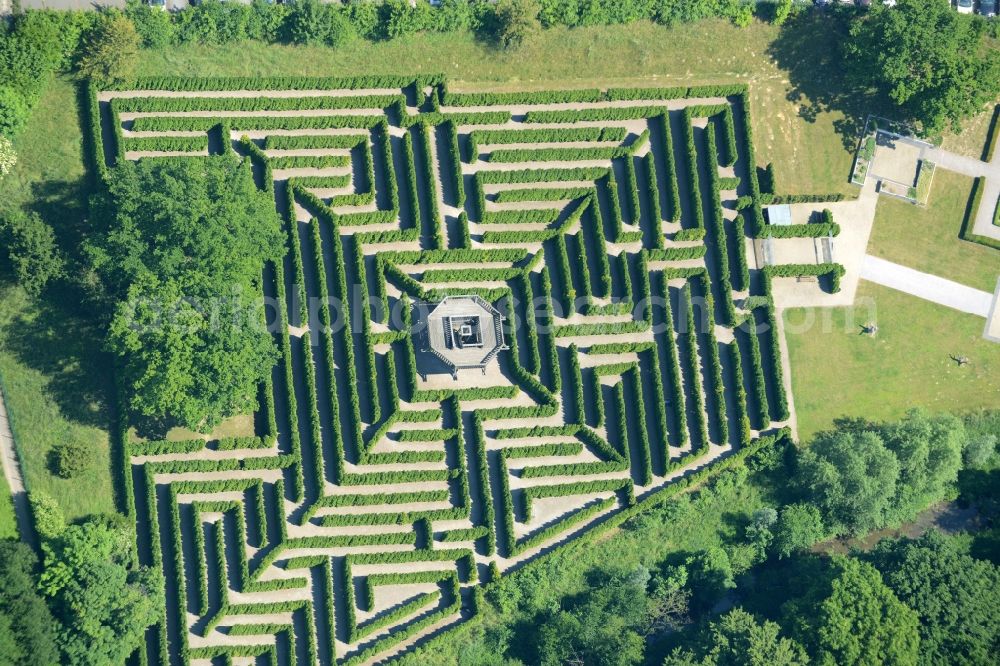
<point>12,472</point>
<point>926,286</point>
<point>970,166</point>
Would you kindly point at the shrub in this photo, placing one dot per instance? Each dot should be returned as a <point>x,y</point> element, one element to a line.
<point>30,246</point>
<point>70,458</point>
<point>8,156</point>
<point>111,53</point>
<point>14,111</point>
<point>49,519</point>
<point>514,21</point>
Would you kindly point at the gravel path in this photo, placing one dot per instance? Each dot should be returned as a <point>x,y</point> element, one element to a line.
<point>12,472</point>
<point>926,286</point>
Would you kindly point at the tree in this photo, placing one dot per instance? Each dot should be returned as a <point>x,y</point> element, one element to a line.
<point>104,603</point>
<point>851,477</point>
<point>782,9</point>
<point>929,451</point>
<point>514,20</point>
<point>710,575</point>
<point>49,519</point>
<point>606,626</point>
<point>926,59</point>
<point>8,156</point>
<point>953,594</point>
<point>738,639</point>
<point>27,628</point>
<point>14,111</point>
<point>760,531</point>
<point>182,259</point>
<point>31,250</point>
<point>799,526</point>
<point>315,22</point>
<point>70,458</point>
<point>863,622</point>
<point>152,24</point>
<point>979,449</point>
<point>111,51</point>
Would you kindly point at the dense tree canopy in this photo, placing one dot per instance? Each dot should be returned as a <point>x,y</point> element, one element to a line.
<point>27,628</point>
<point>104,603</point>
<point>863,622</point>
<point>851,477</point>
<point>955,596</point>
<point>182,259</point>
<point>30,248</point>
<point>111,51</point>
<point>738,639</point>
<point>926,58</point>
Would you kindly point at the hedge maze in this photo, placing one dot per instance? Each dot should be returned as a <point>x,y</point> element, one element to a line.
<point>608,226</point>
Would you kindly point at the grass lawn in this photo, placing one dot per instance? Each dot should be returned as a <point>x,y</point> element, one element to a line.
<point>8,525</point>
<point>798,136</point>
<point>838,372</point>
<point>927,238</point>
<point>50,359</point>
<point>971,139</point>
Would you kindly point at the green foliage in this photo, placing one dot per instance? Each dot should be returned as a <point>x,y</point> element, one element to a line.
<point>514,21</point>
<point>938,73</point>
<point>31,250</point>
<point>739,639</point>
<point>799,526</point>
<point>863,622</point>
<point>8,156</point>
<point>952,593</point>
<point>185,241</point>
<point>111,52</point>
<point>70,458</point>
<point>103,602</point>
<point>606,627</point>
<point>851,477</point>
<point>49,518</point>
<point>315,22</point>
<point>14,111</point>
<point>28,632</point>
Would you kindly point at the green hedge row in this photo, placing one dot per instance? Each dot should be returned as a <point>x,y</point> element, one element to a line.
<point>718,223</point>
<point>694,187</point>
<point>187,144</point>
<point>822,230</point>
<point>741,278</point>
<point>296,142</point>
<point>582,115</point>
<point>426,135</point>
<point>257,103</point>
<point>541,175</point>
<point>309,161</point>
<point>196,83</point>
<point>457,180</point>
<point>677,253</point>
<point>714,363</point>
<point>558,154</point>
<point>692,371</point>
<point>776,199</point>
<point>540,97</point>
<point>653,198</point>
<point>542,135</point>
<point>542,194</point>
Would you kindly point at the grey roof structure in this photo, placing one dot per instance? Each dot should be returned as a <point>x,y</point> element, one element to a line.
<point>464,332</point>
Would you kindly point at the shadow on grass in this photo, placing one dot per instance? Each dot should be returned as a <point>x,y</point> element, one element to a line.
<point>809,50</point>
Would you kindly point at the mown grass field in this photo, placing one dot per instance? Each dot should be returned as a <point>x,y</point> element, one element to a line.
<point>837,371</point>
<point>926,238</point>
<point>50,359</point>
